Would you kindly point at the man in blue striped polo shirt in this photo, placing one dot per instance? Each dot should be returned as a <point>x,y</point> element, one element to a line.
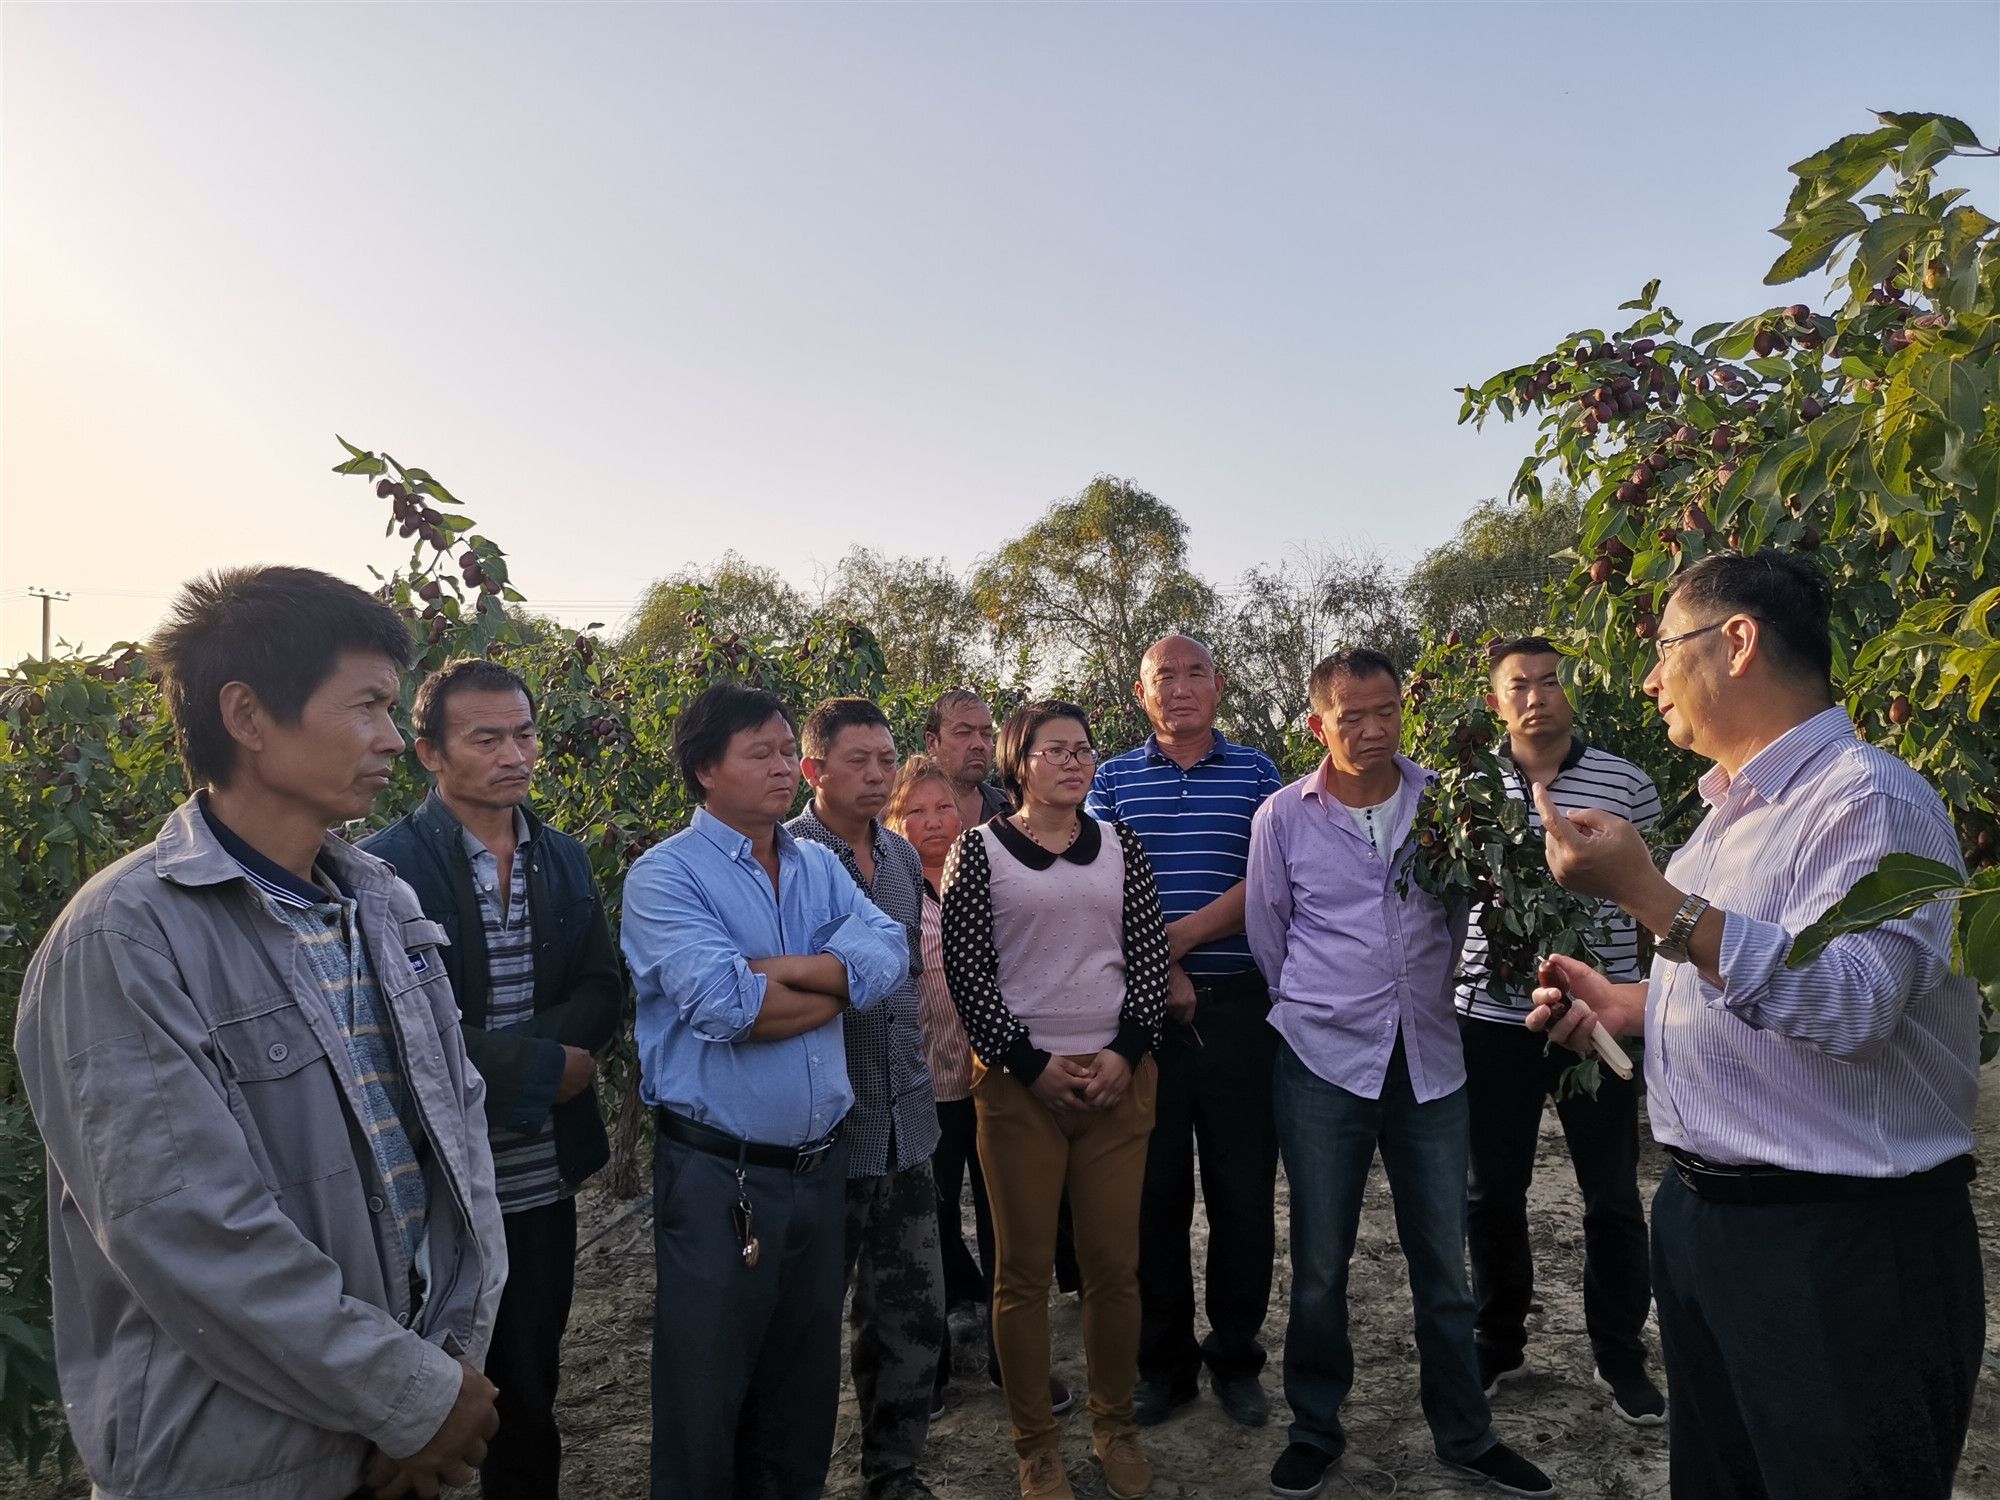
<point>1190,794</point>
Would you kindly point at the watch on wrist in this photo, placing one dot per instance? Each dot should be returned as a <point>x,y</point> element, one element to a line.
<point>1672,945</point>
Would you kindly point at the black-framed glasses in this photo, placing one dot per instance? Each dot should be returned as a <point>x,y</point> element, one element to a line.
<point>1060,755</point>
<point>1660,645</point>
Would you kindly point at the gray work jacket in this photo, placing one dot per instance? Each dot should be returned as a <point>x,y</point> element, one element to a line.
<point>232,1300</point>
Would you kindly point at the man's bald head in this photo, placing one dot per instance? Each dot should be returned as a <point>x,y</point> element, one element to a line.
<point>1170,646</point>
<point>1179,687</point>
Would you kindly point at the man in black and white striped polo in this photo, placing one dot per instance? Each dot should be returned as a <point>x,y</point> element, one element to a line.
<point>1508,1076</point>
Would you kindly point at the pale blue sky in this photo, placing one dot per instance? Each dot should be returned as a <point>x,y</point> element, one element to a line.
<point>644,283</point>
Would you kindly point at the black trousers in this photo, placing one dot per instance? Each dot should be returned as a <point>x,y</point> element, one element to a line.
<point>746,1359</point>
<point>1820,1351</point>
<point>1215,1101</point>
<point>524,1460</point>
<point>1508,1075</point>
<point>956,1159</point>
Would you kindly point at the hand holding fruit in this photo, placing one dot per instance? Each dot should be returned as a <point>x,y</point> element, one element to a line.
<point>1584,1011</point>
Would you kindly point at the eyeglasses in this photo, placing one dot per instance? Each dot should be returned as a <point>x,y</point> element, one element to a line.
<point>1660,645</point>
<point>1057,755</point>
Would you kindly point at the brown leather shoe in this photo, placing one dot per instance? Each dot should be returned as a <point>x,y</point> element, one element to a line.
<point>1042,1477</point>
<point>1126,1473</point>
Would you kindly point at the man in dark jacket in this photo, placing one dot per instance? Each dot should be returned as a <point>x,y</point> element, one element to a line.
<point>538,980</point>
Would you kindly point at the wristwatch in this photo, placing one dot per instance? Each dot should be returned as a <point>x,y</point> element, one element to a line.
<point>1672,945</point>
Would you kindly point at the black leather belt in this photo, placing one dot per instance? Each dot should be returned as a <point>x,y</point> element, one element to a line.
<point>798,1160</point>
<point>1767,1185</point>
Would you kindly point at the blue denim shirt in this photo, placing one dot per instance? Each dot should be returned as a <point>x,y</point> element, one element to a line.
<point>697,909</point>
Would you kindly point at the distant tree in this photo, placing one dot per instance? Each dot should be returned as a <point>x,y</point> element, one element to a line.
<point>1287,618</point>
<point>1498,572</point>
<point>737,596</point>
<point>920,610</point>
<point>1094,582</point>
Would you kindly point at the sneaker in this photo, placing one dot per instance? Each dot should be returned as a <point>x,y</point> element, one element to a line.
<point>1242,1398</point>
<point>1504,1469</point>
<point>1495,1370</point>
<point>1635,1398</point>
<point>1301,1470</point>
<point>1154,1401</point>
<point>1126,1473</point>
<point>1042,1477</point>
<point>945,1398</point>
<point>1061,1398</point>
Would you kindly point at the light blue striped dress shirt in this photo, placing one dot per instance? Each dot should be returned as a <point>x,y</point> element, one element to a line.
<point>1864,1063</point>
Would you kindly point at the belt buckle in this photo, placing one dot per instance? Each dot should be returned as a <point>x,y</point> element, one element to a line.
<point>810,1157</point>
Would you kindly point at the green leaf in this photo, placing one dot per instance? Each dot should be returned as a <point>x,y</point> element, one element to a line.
<point>361,463</point>
<point>1644,301</point>
<point>1979,936</point>
<point>1815,240</point>
<point>1886,238</point>
<point>1900,884</point>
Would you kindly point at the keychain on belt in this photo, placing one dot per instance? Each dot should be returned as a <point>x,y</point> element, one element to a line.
<point>744,1218</point>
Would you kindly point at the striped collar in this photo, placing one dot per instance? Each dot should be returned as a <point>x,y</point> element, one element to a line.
<point>1219,750</point>
<point>270,877</point>
<point>1771,770</point>
<point>1571,759</point>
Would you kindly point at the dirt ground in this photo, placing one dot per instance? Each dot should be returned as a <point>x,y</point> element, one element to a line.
<point>1555,1415</point>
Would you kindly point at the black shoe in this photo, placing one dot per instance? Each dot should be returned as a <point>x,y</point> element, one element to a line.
<point>1154,1401</point>
<point>1243,1398</point>
<point>1504,1469</point>
<point>945,1398</point>
<point>1061,1397</point>
<point>902,1485</point>
<point>1496,1369</point>
<point>964,1322</point>
<point>1635,1398</point>
<point>1301,1470</point>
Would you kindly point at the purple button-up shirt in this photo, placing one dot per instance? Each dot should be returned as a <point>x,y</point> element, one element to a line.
<point>1352,964</point>
<point>1865,1062</point>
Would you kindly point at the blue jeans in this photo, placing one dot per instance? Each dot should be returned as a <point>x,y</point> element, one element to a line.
<point>1329,1137</point>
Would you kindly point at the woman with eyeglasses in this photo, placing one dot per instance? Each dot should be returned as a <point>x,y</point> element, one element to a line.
<point>1056,955</point>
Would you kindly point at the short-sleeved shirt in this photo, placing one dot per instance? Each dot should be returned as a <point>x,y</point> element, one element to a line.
<point>1194,825</point>
<point>1588,777</point>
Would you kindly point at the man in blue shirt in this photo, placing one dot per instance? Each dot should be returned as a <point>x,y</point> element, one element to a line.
<point>746,946</point>
<point>1189,794</point>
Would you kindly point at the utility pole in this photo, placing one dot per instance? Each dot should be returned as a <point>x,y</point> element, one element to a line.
<point>48,597</point>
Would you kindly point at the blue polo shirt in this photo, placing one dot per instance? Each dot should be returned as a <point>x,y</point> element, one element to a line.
<point>1195,826</point>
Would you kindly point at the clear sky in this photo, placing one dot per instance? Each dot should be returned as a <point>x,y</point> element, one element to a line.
<point>645,283</point>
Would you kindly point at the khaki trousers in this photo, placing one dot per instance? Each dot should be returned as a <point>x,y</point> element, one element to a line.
<point>1029,1153</point>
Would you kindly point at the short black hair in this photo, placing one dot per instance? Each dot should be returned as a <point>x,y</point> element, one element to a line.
<point>1526,645</point>
<point>715,716</point>
<point>278,630</point>
<point>464,674</point>
<point>824,723</point>
<point>1349,661</point>
<point>1017,737</point>
<point>1783,592</point>
<point>948,701</point>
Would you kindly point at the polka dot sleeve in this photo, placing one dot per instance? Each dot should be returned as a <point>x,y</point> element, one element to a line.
<point>1146,955</point>
<point>972,963</point>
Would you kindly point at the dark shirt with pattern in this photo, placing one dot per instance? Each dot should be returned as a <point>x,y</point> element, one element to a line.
<point>525,1174</point>
<point>893,1124</point>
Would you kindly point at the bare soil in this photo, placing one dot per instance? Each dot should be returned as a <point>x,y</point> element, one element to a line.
<point>1555,1414</point>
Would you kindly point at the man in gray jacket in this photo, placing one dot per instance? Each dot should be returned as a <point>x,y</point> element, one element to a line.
<point>273,1237</point>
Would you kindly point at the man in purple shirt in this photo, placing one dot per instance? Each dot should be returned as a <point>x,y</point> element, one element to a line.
<point>1361,984</point>
<point>1816,1263</point>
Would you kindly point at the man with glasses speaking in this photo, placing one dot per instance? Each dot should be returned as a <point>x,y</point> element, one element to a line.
<point>1816,1266</point>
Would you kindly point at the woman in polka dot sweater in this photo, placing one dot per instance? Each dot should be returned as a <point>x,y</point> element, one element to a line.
<point>1056,955</point>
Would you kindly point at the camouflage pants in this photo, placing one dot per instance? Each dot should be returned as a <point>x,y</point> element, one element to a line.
<point>898,1322</point>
